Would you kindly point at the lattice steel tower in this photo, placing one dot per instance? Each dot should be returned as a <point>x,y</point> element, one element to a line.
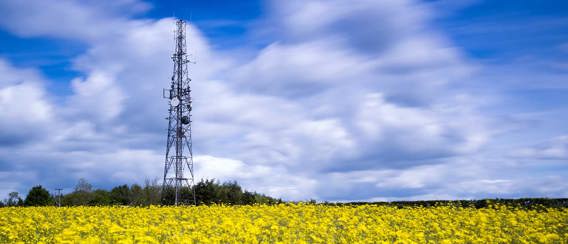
<point>179,154</point>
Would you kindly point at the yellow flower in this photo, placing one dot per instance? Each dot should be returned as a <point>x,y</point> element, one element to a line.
<point>285,223</point>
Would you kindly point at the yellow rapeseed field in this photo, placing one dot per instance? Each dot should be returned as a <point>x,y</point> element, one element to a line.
<point>285,223</point>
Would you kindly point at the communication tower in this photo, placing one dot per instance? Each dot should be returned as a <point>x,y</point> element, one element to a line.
<point>179,154</point>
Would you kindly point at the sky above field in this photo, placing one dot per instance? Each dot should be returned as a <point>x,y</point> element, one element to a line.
<point>335,100</point>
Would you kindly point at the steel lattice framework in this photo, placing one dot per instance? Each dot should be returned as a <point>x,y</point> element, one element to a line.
<point>179,154</point>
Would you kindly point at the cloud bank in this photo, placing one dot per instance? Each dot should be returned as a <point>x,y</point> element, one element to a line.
<point>360,100</point>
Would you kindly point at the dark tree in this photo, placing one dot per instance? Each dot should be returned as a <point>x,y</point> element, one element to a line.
<point>167,196</point>
<point>206,192</point>
<point>38,196</point>
<point>100,198</point>
<point>14,199</point>
<point>248,198</point>
<point>83,186</point>
<point>233,192</point>
<point>186,196</point>
<point>137,195</point>
<point>152,192</point>
<point>77,198</point>
<point>210,191</point>
<point>120,195</point>
<point>81,196</point>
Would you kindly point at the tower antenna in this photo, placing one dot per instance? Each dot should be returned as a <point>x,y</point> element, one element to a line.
<point>179,152</point>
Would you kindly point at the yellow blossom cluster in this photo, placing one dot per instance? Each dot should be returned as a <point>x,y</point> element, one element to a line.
<point>285,223</point>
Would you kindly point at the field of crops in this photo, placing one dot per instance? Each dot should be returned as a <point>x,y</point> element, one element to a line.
<point>286,223</point>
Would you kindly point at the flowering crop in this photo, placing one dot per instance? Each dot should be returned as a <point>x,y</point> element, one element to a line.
<point>286,223</point>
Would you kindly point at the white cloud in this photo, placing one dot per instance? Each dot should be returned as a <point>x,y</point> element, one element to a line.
<point>303,69</point>
<point>273,180</point>
<point>364,101</point>
<point>97,97</point>
<point>553,149</point>
<point>83,20</point>
<point>26,113</point>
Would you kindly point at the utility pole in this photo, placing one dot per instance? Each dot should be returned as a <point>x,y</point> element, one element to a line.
<point>179,154</point>
<point>58,197</point>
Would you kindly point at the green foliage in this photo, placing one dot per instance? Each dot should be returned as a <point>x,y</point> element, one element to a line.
<point>120,195</point>
<point>14,199</point>
<point>206,192</point>
<point>100,198</point>
<point>38,196</point>
<point>212,192</point>
<point>525,203</point>
<point>134,195</point>
<point>151,191</point>
<point>77,198</point>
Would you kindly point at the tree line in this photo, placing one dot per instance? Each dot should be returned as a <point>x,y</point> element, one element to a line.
<point>206,192</point>
<point>526,203</point>
<point>214,192</point>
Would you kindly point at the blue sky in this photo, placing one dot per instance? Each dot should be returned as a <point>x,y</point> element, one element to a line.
<point>330,100</point>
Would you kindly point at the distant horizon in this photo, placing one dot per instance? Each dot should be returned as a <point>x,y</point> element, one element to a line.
<point>71,190</point>
<point>301,99</point>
